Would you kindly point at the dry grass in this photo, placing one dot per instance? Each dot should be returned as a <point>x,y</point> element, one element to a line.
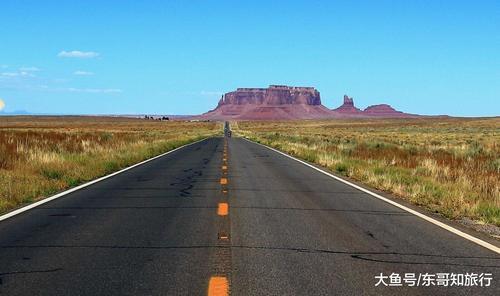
<point>40,156</point>
<point>450,166</point>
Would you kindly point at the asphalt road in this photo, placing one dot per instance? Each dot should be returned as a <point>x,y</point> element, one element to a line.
<point>162,229</point>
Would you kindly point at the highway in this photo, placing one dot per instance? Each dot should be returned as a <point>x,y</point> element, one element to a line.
<point>222,216</point>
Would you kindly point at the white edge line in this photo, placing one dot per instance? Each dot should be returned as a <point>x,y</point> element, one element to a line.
<point>416,213</point>
<point>46,200</point>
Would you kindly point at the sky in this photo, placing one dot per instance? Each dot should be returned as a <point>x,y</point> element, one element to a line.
<point>178,57</point>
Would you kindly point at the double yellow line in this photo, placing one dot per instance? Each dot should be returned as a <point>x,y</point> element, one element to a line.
<point>219,284</point>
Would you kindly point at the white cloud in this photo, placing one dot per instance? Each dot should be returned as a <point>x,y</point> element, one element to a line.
<point>29,69</point>
<point>23,72</point>
<point>78,54</point>
<point>48,88</point>
<point>83,73</point>
<point>9,74</point>
<point>93,90</point>
<point>16,74</point>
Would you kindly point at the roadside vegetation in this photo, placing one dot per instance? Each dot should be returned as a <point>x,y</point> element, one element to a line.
<point>449,166</point>
<point>40,156</point>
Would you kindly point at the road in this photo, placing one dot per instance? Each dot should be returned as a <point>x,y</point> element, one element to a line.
<point>227,215</point>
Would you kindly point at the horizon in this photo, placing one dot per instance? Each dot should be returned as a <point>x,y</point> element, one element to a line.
<point>177,58</point>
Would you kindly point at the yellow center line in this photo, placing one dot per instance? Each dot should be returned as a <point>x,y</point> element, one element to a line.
<point>224,167</point>
<point>218,286</point>
<point>223,236</point>
<point>223,209</point>
<point>223,181</point>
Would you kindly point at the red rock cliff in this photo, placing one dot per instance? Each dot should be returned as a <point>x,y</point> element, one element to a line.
<point>279,102</point>
<point>381,110</point>
<point>273,95</point>
<point>348,107</point>
<point>274,102</point>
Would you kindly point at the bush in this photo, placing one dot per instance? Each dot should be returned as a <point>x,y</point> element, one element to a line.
<point>52,174</point>
<point>341,168</point>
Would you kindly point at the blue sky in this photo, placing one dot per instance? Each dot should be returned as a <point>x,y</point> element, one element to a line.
<point>177,57</point>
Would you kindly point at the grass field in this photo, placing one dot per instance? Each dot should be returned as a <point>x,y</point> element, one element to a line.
<point>40,156</point>
<point>449,166</point>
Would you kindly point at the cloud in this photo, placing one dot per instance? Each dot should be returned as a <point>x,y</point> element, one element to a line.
<point>83,73</point>
<point>94,90</point>
<point>9,74</point>
<point>17,74</point>
<point>29,69</point>
<point>51,89</point>
<point>78,54</point>
<point>23,72</point>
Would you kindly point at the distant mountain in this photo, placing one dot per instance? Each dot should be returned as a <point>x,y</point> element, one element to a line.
<point>348,107</point>
<point>380,110</point>
<point>16,112</point>
<point>274,102</point>
<point>280,102</point>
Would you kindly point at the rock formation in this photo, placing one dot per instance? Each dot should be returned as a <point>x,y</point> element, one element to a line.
<point>279,102</point>
<point>274,95</point>
<point>348,107</point>
<point>381,110</point>
<point>274,102</point>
